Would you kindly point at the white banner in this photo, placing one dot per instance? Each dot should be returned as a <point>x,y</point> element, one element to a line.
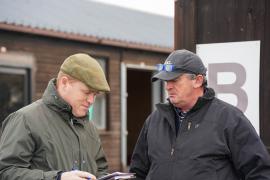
<point>233,72</point>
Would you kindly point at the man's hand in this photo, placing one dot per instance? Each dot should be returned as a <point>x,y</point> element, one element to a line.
<point>77,175</point>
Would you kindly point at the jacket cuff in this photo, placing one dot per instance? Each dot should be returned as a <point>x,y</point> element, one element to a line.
<point>51,175</point>
<point>58,176</point>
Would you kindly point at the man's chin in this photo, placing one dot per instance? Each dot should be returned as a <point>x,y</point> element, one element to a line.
<point>80,114</point>
<point>172,100</point>
<point>176,104</point>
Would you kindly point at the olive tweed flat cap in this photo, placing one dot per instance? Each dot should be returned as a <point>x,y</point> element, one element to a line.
<point>87,70</point>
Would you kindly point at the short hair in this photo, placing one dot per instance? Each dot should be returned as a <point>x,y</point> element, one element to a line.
<point>61,74</point>
<point>193,76</point>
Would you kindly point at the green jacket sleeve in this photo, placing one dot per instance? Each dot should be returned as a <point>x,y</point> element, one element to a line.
<point>140,163</point>
<point>102,165</point>
<point>16,151</point>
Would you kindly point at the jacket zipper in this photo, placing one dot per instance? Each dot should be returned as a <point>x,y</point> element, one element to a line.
<point>172,151</point>
<point>71,121</point>
<point>76,163</point>
<point>189,125</point>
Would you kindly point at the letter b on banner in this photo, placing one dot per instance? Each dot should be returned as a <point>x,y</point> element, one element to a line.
<point>236,87</point>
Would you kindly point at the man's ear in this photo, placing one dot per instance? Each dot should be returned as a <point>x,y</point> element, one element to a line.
<point>63,82</point>
<point>198,81</point>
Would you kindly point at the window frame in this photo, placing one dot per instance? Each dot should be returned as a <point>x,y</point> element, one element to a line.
<point>102,124</point>
<point>17,63</point>
<point>19,60</point>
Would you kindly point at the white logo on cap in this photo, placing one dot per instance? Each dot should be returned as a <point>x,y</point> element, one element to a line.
<point>168,62</point>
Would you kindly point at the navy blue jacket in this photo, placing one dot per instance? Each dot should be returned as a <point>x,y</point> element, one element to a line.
<point>215,142</point>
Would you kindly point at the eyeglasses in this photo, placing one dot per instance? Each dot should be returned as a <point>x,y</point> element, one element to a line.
<point>166,67</point>
<point>172,67</point>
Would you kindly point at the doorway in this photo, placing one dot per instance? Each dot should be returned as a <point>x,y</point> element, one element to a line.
<point>139,96</point>
<point>139,105</point>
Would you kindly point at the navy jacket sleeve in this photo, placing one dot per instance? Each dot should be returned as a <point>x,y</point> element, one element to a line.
<point>248,153</point>
<point>140,162</point>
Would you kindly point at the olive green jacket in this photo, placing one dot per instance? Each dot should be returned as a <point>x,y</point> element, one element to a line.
<point>44,138</point>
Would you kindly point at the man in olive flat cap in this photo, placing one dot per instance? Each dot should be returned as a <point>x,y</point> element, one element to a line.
<point>51,138</point>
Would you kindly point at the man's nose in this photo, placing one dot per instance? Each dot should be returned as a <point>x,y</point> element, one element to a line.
<point>91,98</point>
<point>168,85</point>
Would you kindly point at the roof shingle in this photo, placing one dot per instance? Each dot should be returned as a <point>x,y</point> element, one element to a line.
<point>90,18</point>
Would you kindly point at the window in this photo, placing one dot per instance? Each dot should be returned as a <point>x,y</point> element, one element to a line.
<point>14,91</point>
<point>99,109</point>
<point>15,83</point>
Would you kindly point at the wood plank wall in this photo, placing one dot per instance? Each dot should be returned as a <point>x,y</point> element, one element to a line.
<point>213,21</point>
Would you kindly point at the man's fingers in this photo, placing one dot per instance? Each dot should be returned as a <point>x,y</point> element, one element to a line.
<point>85,175</point>
<point>77,175</point>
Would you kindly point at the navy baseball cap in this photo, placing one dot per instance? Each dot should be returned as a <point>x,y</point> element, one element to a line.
<point>179,62</point>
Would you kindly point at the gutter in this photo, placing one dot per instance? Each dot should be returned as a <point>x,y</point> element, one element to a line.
<point>84,38</point>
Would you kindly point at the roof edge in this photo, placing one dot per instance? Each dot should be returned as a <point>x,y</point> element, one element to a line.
<point>84,38</point>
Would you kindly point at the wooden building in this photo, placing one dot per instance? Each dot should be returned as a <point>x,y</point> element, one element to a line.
<point>215,21</point>
<point>36,36</point>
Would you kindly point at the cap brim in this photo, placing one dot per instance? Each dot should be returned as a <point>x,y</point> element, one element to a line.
<point>165,76</point>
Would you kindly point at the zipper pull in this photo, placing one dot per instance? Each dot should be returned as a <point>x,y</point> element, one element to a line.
<point>172,151</point>
<point>189,125</point>
<point>71,121</point>
<point>75,166</point>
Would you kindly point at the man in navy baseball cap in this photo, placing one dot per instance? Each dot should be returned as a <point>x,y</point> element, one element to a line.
<point>195,135</point>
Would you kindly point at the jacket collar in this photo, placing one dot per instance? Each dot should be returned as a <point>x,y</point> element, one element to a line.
<point>167,109</point>
<point>208,95</point>
<point>55,102</point>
